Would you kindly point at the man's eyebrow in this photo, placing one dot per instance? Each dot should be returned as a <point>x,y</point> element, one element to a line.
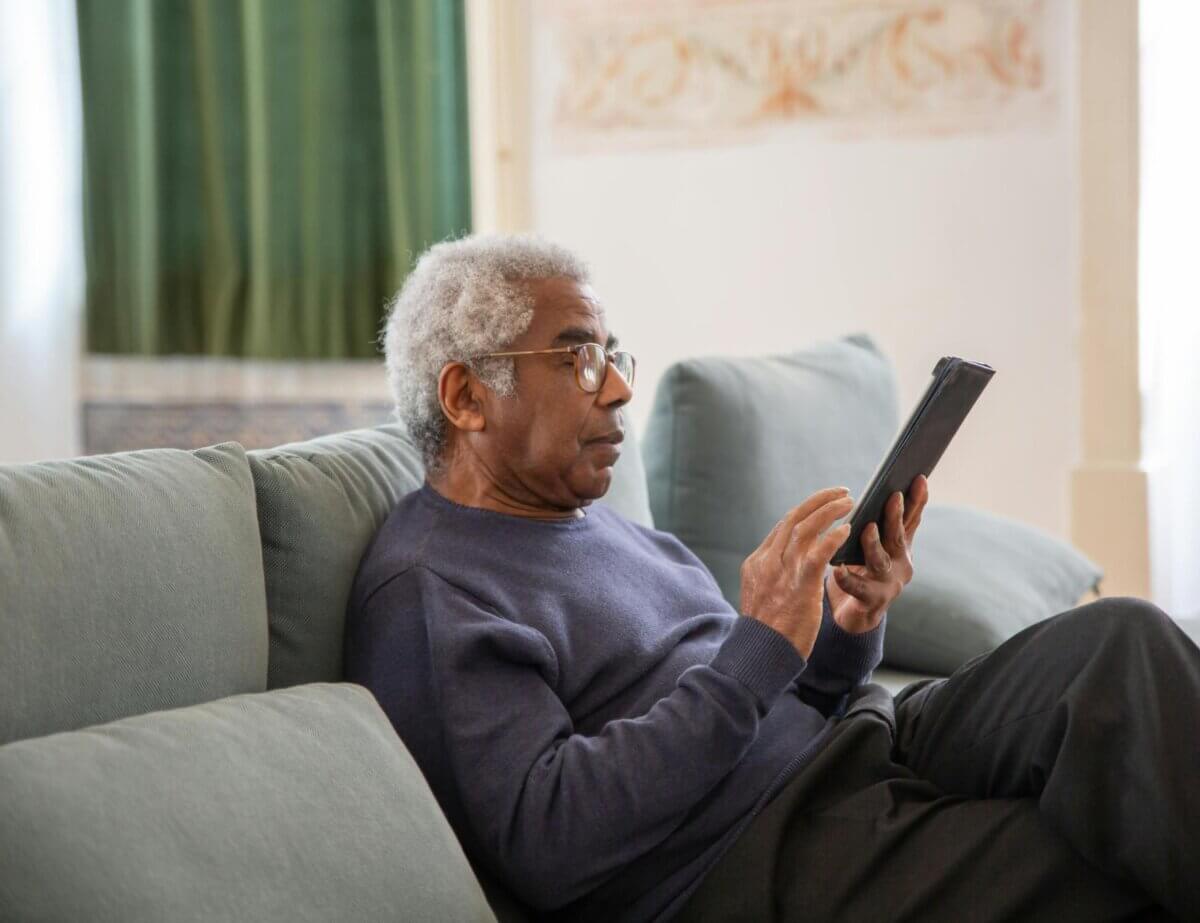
<point>573,335</point>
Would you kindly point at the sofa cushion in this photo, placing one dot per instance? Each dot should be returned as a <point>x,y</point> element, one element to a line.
<point>128,583</point>
<point>319,504</point>
<point>979,579</point>
<point>293,805</point>
<point>733,443</point>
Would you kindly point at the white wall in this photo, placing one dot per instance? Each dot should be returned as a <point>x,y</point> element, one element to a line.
<point>961,245</point>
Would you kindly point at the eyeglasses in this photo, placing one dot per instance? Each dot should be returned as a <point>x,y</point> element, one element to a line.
<point>591,363</point>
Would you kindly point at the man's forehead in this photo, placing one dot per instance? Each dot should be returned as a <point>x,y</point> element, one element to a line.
<point>569,312</point>
<point>559,295</point>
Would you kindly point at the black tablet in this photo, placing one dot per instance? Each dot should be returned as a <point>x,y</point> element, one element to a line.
<point>956,385</point>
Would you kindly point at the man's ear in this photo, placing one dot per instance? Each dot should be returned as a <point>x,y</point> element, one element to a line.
<point>460,393</point>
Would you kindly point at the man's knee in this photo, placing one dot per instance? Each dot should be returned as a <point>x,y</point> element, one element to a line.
<point>1119,615</point>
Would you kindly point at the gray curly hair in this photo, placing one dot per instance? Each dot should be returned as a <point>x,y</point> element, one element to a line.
<point>464,298</point>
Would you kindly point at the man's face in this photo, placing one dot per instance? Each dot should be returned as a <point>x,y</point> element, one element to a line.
<point>557,441</point>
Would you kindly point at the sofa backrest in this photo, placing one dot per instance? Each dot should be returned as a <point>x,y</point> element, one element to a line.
<point>319,504</point>
<point>128,583</point>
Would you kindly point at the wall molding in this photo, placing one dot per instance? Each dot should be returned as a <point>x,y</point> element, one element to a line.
<point>665,72</point>
<point>499,91</point>
<point>1110,512</point>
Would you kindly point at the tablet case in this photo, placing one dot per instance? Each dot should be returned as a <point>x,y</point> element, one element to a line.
<point>956,385</point>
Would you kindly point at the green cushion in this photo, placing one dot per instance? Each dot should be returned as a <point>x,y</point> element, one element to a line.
<point>128,583</point>
<point>979,579</point>
<point>294,805</point>
<point>734,443</point>
<point>319,504</point>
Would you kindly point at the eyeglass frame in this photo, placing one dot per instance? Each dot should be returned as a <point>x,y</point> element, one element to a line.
<point>574,350</point>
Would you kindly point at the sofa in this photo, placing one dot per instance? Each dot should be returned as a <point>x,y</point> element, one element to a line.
<point>175,738</point>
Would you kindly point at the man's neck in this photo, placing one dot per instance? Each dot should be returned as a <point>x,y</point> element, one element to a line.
<point>473,485</point>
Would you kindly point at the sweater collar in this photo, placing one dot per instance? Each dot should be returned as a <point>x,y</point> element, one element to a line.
<point>430,496</point>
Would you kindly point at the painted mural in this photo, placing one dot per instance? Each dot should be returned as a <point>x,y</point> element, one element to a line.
<point>677,72</point>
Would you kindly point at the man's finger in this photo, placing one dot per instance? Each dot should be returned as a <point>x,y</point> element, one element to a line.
<point>805,531</point>
<point>878,560</point>
<point>774,533</point>
<point>918,497</point>
<point>783,528</point>
<point>894,521</point>
<point>827,546</point>
<point>817,522</point>
<point>857,586</point>
<point>911,529</point>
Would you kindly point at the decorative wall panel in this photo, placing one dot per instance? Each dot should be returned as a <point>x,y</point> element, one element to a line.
<point>684,72</point>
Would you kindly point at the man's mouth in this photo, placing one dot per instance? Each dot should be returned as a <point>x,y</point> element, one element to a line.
<point>616,437</point>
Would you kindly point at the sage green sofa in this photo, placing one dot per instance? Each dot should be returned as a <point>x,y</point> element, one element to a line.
<point>176,742</point>
<point>175,739</point>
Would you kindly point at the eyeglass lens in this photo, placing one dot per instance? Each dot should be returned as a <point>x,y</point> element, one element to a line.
<point>591,364</point>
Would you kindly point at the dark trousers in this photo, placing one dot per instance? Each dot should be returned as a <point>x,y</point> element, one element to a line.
<point>1056,778</point>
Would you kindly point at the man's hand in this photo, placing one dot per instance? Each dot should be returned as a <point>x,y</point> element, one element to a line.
<point>860,594</point>
<point>782,579</point>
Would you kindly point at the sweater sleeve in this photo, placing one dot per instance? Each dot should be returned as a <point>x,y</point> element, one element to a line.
<point>556,811</point>
<point>840,660</point>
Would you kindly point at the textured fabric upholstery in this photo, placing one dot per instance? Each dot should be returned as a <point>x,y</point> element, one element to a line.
<point>128,583</point>
<point>982,578</point>
<point>319,504</point>
<point>293,805</point>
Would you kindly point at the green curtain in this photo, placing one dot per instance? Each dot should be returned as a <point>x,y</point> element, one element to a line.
<point>261,174</point>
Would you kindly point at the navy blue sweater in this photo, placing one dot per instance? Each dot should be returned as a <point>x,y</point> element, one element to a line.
<point>596,722</point>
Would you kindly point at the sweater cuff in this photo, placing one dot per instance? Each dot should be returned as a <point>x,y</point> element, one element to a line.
<point>760,658</point>
<point>850,654</point>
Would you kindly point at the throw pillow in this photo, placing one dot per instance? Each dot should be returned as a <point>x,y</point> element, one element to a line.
<point>291,806</point>
<point>319,504</point>
<point>978,580</point>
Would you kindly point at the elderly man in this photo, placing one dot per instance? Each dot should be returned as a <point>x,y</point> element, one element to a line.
<point>613,741</point>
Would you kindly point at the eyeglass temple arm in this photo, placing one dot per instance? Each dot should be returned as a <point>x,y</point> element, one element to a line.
<point>527,352</point>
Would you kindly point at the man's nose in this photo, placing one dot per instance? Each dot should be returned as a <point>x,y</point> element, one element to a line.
<point>616,391</point>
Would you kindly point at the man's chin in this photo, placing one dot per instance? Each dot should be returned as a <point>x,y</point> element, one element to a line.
<point>593,486</point>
